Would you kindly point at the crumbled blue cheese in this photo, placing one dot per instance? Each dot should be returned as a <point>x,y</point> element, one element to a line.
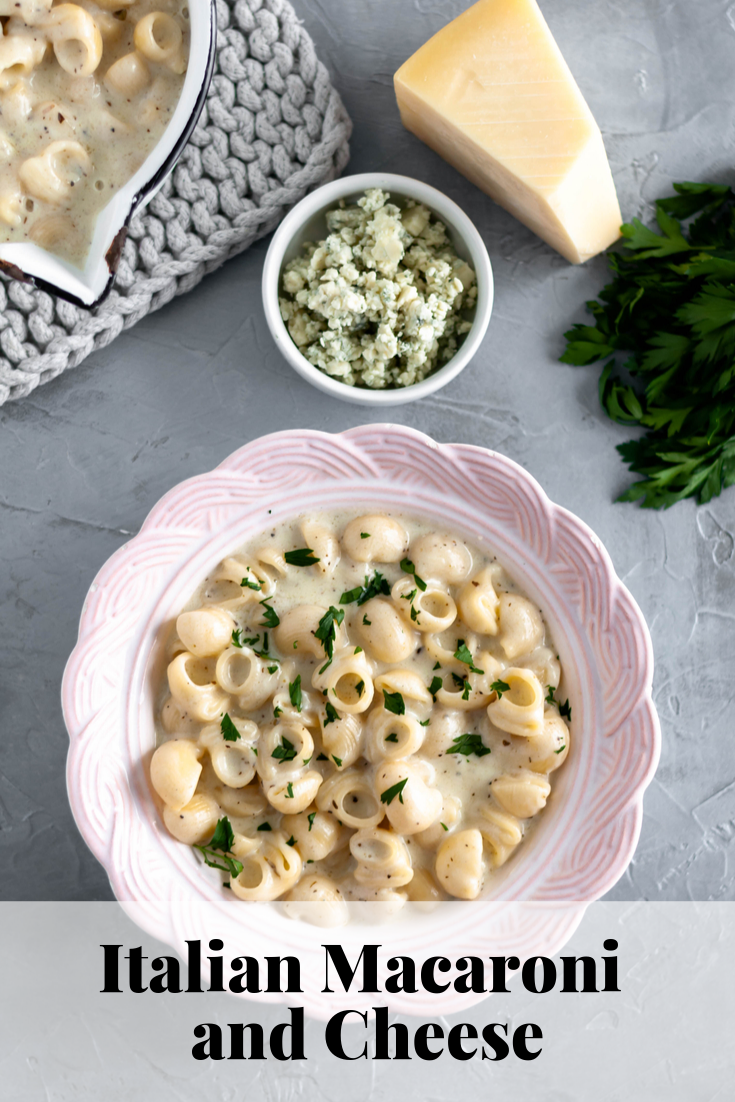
<point>382,301</point>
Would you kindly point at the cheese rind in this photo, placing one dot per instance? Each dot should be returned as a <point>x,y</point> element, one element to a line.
<point>492,94</point>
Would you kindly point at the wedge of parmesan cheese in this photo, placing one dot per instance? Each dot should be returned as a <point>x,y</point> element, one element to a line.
<point>492,94</point>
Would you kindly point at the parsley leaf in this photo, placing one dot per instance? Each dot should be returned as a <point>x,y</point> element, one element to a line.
<point>435,686</point>
<point>408,568</point>
<point>291,841</point>
<point>665,329</point>
<point>311,816</point>
<point>463,654</point>
<point>468,744</point>
<point>271,616</point>
<point>250,583</point>
<point>289,791</point>
<point>560,749</point>
<point>332,715</point>
<point>395,790</point>
<point>500,687</point>
<point>285,751</point>
<point>337,761</point>
<point>373,587</point>
<point>394,703</point>
<point>303,556</point>
<point>217,854</point>
<point>264,826</point>
<point>294,691</point>
<point>365,620</point>
<point>326,632</point>
<point>392,737</point>
<point>229,731</point>
<point>364,535</point>
<point>565,709</point>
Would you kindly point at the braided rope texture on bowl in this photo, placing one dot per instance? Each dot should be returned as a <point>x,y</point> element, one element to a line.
<point>272,128</point>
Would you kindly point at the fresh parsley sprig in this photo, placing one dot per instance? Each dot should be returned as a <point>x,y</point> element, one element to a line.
<point>667,322</point>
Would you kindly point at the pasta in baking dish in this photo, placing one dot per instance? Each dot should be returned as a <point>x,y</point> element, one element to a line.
<point>358,708</point>
<point>86,91</point>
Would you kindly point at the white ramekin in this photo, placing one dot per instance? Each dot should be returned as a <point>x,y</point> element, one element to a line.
<point>306,222</point>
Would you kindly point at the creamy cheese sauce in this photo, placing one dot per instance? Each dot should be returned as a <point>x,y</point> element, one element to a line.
<point>71,138</point>
<point>489,791</point>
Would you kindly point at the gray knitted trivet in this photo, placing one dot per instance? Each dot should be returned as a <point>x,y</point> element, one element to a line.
<point>273,127</point>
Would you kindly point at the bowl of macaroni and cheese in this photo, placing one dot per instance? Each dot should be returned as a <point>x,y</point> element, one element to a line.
<point>97,100</point>
<point>377,289</point>
<point>362,677</point>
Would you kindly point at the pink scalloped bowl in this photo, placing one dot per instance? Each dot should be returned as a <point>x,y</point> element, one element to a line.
<point>589,830</point>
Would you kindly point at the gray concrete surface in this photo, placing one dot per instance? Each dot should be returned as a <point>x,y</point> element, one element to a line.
<point>83,459</point>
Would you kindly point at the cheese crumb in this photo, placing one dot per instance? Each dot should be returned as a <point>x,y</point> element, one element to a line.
<point>383,300</point>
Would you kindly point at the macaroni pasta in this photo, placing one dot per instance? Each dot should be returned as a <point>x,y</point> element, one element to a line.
<point>358,708</point>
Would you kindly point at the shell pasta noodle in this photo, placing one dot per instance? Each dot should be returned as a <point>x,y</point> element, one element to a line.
<point>86,91</point>
<point>358,708</point>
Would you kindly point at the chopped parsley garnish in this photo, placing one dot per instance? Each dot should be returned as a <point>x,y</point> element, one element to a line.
<point>435,686</point>
<point>409,596</point>
<point>272,669</point>
<point>289,791</point>
<point>303,556</point>
<point>395,790</point>
<point>271,616</point>
<point>415,614</point>
<point>311,817</point>
<point>332,715</point>
<point>360,688</point>
<point>424,722</point>
<point>285,751</point>
<point>468,744</point>
<point>444,826</point>
<point>337,761</point>
<point>365,620</point>
<point>394,703</point>
<point>326,633</point>
<point>364,535</point>
<point>265,826</point>
<point>373,587</point>
<point>218,853</point>
<point>408,568</point>
<point>294,691</point>
<point>322,757</point>
<point>463,654</point>
<point>500,687</point>
<point>392,737</point>
<point>466,693</point>
<point>358,650</point>
<point>291,841</point>
<point>565,709</point>
<point>560,749</point>
<point>250,584</point>
<point>236,637</point>
<point>277,711</point>
<point>229,731</point>
<point>264,652</point>
<point>436,666</point>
